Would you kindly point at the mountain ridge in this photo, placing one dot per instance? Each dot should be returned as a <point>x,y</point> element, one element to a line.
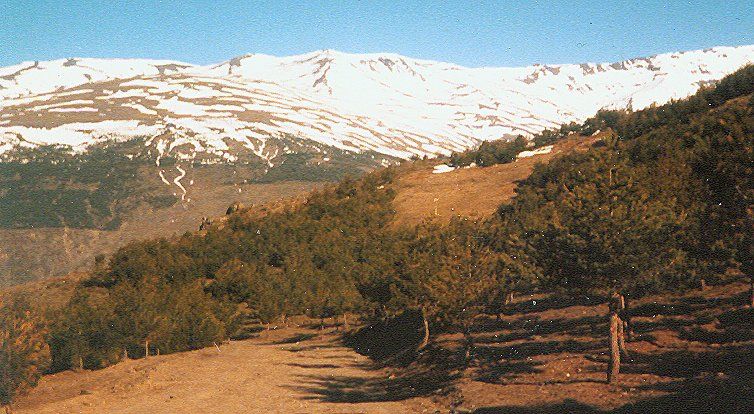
<point>383,102</point>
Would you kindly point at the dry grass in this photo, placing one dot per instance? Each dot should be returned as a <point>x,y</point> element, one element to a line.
<point>471,192</point>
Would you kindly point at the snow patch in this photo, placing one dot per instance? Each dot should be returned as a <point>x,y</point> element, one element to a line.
<point>177,181</point>
<point>442,169</point>
<point>539,151</point>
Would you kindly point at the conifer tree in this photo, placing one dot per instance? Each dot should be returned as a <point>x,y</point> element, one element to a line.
<point>604,231</point>
<point>24,354</point>
<point>726,163</point>
<point>83,337</point>
<point>139,312</point>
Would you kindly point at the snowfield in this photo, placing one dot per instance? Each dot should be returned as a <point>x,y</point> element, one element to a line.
<point>386,103</point>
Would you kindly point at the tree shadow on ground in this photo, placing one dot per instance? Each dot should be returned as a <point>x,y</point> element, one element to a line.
<point>734,361</point>
<point>707,384</point>
<point>704,395</point>
<point>413,383</point>
<point>568,406</point>
<point>294,339</point>
<point>688,305</point>
<point>536,348</point>
<point>494,371</point>
<point>735,325</point>
<point>524,328</point>
<point>314,366</point>
<point>247,332</point>
<point>495,363</point>
<point>397,337</point>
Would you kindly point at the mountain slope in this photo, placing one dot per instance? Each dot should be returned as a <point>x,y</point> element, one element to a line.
<point>95,151</point>
<point>385,103</point>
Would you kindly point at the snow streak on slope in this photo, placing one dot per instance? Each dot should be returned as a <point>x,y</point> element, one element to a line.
<point>383,102</point>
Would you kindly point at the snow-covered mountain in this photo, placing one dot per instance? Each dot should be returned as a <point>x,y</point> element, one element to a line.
<point>385,103</point>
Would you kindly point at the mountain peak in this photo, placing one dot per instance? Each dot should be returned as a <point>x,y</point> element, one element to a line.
<point>383,102</point>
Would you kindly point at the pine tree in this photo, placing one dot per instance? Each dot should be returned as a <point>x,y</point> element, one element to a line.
<point>139,312</point>
<point>725,159</point>
<point>194,321</point>
<point>83,336</point>
<point>24,354</point>
<point>603,230</point>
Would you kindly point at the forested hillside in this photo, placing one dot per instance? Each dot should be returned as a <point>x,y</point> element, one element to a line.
<point>60,208</point>
<point>664,203</point>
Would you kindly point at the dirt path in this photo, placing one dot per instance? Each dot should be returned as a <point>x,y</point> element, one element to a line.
<point>280,372</point>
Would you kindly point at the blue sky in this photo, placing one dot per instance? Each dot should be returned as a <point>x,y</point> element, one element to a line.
<point>471,33</point>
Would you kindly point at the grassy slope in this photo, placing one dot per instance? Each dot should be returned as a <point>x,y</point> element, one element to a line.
<point>472,192</point>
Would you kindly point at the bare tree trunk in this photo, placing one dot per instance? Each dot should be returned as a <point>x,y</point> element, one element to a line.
<point>425,325</point>
<point>81,363</point>
<point>469,345</point>
<point>345,322</point>
<point>125,354</point>
<point>628,326</point>
<point>622,326</point>
<point>621,338</point>
<point>703,285</point>
<point>509,299</point>
<point>614,367</point>
<point>146,348</point>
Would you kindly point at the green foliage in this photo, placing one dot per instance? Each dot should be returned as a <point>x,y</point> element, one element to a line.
<point>194,321</point>
<point>457,272</point>
<point>50,186</point>
<point>490,153</point>
<point>725,161</point>
<point>24,354</point>
<point>630,124</point>
<point>602,228</point>
<point>551,136</point>
<point>82,337</point>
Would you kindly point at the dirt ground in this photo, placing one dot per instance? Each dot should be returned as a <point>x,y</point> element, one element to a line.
<point>284,371</point>
<point>691,353</point>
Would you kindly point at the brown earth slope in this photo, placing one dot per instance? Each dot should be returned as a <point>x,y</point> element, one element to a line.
<point>471,192</point>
